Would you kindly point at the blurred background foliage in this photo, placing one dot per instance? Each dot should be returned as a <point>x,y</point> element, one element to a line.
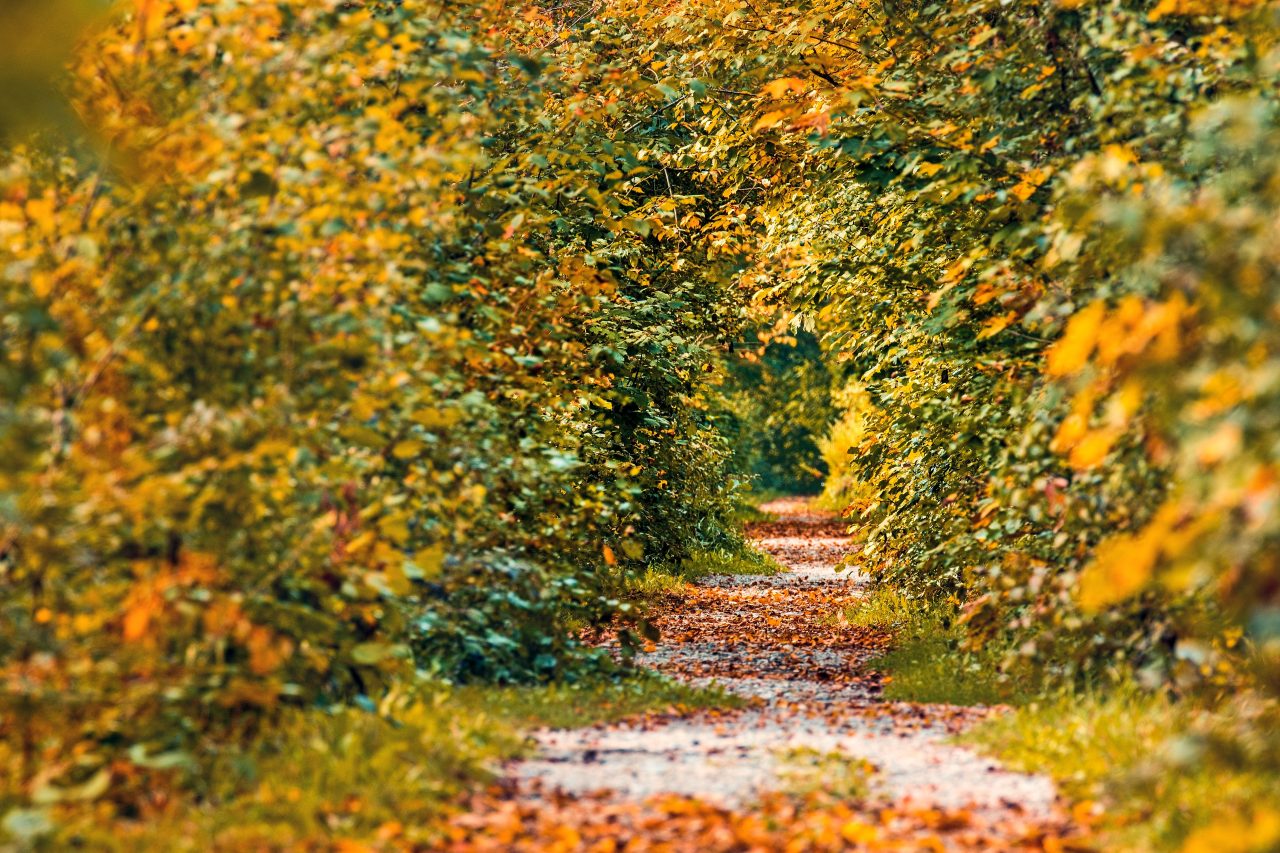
<point>778,389</point>
<point>36,44</point>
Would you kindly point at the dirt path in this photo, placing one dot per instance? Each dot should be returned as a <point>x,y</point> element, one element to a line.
<point>815,761</point>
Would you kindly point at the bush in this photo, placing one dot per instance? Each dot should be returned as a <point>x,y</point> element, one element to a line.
<point>321,370</point>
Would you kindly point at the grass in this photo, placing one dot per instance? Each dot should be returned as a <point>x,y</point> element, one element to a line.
<point>930,669</point>
<point>926,663</point>
<point>807,771</point>
<point>886,609</point>
<point>1171,775</point>
<point>320,778</point>
<point>662,580</point>
<point>1152,762</point>
<point>748,561</point>
<point>566,706</point>
<point>752,513</point>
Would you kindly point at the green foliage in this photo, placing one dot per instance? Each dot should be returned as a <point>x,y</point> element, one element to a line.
<point>1032,233</point>
<point>931,667</point>
<point>381,336</point>
<point>563,706</point>
<point>886,609</point>
<point>746,561</point>
<point>929,661</point>
<point>654,582</point>
<point>779,390</point>
<point>317,776</point>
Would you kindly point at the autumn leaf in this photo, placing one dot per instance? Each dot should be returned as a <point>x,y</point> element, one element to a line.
<point>782,85</point>
<point>1070,354</point>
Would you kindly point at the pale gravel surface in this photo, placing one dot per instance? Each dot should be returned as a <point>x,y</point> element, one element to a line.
<point>731,761</point>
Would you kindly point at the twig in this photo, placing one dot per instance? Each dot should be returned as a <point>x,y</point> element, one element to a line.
<point>657,110</point>
<point>591,10</point>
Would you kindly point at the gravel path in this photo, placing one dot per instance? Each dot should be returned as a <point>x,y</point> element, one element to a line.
<point>773,638</point>
<point>725,780</point>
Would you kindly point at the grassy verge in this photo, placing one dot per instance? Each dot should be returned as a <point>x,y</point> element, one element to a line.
<point>749,510</point>
<point>660,580</point>
<point>567,706</point>
<point>366,778</point>
<point>926,663</point>
<point>1170,775</point>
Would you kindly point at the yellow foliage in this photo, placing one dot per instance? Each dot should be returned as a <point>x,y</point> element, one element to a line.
<point>1071,353</point>
<point>1125,563</point>
<point>781,86</point>
<point>1092,447</point>
<point>1243,834</point>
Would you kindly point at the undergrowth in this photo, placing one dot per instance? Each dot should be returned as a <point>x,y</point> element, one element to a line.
<point>1171,776</point>
<point>751,512</point>
<point>926,662</point>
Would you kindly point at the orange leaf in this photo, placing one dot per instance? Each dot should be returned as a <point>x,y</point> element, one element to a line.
<point>137,618</point>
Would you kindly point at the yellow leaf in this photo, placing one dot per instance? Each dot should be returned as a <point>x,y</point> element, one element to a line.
<point>1024,190</point>
<point>779,87</point>
<point>1072,429</point>
<point>857,832</point>
<point>41,284</point>
<point>1072,351</point>
<point>1122,566</point>
<point>1036,177</point>
<point>1093,448</point>
<point>996,325</point>
<point>137,618</point>
<point>929,169</point>
<point>41,212</point>
<point>361,542</point>
<point>769,119</point>
<point>436,418</point>
<point>406,449</point>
